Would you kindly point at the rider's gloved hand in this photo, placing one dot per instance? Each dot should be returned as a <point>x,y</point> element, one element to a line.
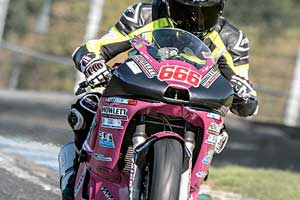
<point>242,88</point>
<point>95,70</point>
<point>245,102</point>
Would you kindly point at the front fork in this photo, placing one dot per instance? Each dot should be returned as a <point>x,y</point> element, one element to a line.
<point>139,137</point>
<point>189,138</point>
<point>135,182</point>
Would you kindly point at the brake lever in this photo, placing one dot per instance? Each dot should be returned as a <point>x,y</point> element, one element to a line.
<point>81,88</point>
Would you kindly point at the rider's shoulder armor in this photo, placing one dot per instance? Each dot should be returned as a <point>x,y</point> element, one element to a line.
<point>135,17</point>
<point>235,41</point>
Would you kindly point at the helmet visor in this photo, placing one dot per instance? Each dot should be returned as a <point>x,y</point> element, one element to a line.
<point>192,17</point>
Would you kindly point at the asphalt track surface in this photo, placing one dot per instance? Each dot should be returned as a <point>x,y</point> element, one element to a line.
<point>31,117</point>
<point>41,117</point>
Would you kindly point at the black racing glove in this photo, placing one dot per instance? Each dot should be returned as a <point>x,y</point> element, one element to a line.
<point>242,88</point>
<point>95,70</point>
<point>245,102</point>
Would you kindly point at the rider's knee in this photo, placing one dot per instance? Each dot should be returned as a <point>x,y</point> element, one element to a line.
<point>82,112</point>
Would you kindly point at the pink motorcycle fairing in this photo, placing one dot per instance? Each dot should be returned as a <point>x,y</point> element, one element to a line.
<point>114,114</point>
<point>104,168</point>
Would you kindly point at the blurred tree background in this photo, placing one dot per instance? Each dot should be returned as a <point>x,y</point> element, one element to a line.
<point>271,25</point>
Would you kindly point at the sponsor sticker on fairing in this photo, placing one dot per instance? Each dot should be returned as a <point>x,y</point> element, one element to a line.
<point>145,66</point>
<point>119,100</point>
<point>207,159</point>
<point>201,174</point>
<point>114,112</point>
<point>134,67</point>
<point>212,139</point>
<point>111,123</point>
<point>106,140</point>
<point>214,129</point>
<point>213,116</point>
<point>101,157</point>
<point>209,78</point>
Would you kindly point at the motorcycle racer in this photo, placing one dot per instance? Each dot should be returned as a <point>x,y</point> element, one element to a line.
<point>203,18</point>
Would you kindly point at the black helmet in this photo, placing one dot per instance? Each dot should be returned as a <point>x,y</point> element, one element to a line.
<point>195,16</point>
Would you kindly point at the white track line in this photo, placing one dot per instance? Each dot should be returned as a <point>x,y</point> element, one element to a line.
<point>8,164</point>
<point>43,154</point>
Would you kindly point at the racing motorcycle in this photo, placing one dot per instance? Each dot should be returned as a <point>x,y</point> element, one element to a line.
<point>157,124</point>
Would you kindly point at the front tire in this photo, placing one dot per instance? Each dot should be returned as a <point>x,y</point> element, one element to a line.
<point>166,169</point>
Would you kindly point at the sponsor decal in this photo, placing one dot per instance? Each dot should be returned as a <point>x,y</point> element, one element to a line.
<point>213,116</point>
<point>180,74</point>
<point>120,100</point>
<point>106,140</point>
<point>111,123</point>
<point>116,100</point>
<point>114,112</point>
<point>210,77</point>
<point>145,66</point>
<point>80,182</point>
<point>214,129</point>
<point>101,157</point>
<point>106,193</point>
<point>201,174</point>
<point>212,139</point>
<point>134,67</point>
<point>207,159</point>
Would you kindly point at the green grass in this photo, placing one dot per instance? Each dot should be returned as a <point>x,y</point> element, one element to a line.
<point>263,184</point>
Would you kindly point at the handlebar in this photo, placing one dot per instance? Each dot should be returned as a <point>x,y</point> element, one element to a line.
<point>82,87</point>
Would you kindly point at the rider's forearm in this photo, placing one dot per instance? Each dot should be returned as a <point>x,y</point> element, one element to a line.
<point>107,51</point>
<point>108,46</point>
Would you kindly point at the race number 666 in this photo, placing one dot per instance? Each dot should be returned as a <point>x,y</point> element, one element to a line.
<point>180,74</point>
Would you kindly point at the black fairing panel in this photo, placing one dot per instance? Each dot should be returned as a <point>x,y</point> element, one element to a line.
<point>219,94</point>
<point>125,83</point>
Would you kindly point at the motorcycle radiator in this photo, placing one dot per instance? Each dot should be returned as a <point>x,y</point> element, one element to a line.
<point>154,123</point>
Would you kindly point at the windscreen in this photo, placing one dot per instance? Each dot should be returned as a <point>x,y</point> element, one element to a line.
<point>174,43</point>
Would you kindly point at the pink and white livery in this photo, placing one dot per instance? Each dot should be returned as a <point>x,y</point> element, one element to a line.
<point>157,124</point>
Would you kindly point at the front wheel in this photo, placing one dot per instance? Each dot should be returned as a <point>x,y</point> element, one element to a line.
<point>165,169</point>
